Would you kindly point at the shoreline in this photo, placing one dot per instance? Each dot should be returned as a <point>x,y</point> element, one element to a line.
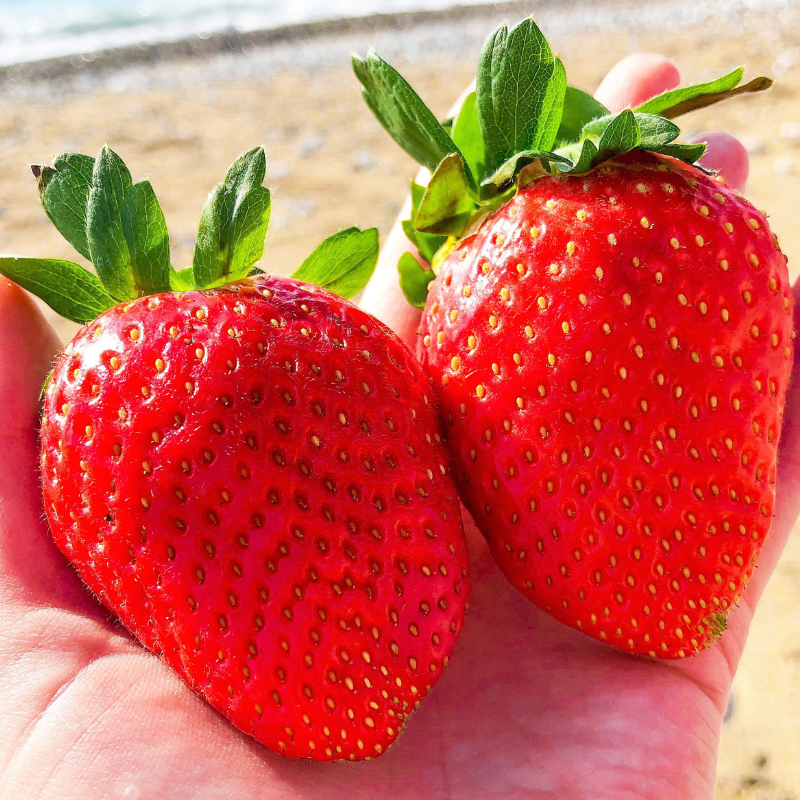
<point>567,14</point>
<point>239,42</point>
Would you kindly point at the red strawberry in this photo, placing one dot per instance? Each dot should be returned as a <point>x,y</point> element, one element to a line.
<point>612,351</point>
<point>252,478</point>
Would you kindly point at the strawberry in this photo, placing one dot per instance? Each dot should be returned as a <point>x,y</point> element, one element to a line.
<point>609,331</point>
<point>249,472</point>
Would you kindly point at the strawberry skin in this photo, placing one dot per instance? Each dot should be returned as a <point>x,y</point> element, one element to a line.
<point>252,479</point>
<point>612,352</point>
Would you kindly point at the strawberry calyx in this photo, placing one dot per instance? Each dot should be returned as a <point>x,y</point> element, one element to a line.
<point>522,121</point>
<point>119,227</point>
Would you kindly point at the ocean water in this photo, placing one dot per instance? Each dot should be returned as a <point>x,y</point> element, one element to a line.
<point>35,29</point>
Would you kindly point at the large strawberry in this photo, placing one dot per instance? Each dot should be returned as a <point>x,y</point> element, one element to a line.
<point>609,333</point>
<point>250,476</point>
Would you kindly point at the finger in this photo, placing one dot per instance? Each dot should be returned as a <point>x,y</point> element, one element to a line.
<point>382,296</point>
<point>637,78</point>
<point>726,155</point>
<point>31,568</point>
<point>787,497</point>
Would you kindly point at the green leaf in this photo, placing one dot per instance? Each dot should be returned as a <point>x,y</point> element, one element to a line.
<point>64,192</point>
<point>680,101</point>
<point>511,168</point>
<point>651,131</point>
<point>447,205</point>
<point>414,280</point>
<point>401,112</point>
<point>582,155</point>
<point>342,263</point>
<point>146,234</point>
<point>685,152</point>
<point>656,132</point>
<point>580,108</point>
<point>108,248</point>
<point>427,243</point>
<point>234,222</point>
<point>182,281</point>
<point>620,135</point>
<point>467,135</point>
<point>520,93</point>
<point>70,290</point>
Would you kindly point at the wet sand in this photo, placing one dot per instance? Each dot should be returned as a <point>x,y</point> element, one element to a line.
<point>180,115</point>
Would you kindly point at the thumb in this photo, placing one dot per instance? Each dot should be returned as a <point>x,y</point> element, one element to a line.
<point>32,571</point>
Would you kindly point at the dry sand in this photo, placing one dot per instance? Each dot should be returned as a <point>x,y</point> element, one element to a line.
<point>180,120</point>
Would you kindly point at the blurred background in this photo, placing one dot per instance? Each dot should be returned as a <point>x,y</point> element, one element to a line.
<point>180,87</point>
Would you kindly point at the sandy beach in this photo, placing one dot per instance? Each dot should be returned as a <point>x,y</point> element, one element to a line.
<point>180,114</point>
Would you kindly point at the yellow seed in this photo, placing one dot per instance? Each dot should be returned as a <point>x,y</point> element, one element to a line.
<point>645,222</point>
<point>612,239</point>
<point>698,240</point>
<point>480,390</point>
<point>675,243</point>
<point>534,233</point>
<point>570,248</point>
<point>728,227</point>
<point>565,327</point>
<point>723,265</point>
<point>542,302</point>
<point>753,223</point>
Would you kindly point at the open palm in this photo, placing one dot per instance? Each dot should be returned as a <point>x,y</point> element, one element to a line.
<point>527,708</point>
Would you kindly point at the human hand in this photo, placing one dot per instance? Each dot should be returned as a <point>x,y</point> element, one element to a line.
<point>527,708</point>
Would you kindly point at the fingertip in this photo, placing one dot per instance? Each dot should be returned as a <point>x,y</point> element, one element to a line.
<point>727,156</point>
<point>635,79</point>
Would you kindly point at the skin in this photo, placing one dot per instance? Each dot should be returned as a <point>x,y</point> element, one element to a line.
<point>527,708</point>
